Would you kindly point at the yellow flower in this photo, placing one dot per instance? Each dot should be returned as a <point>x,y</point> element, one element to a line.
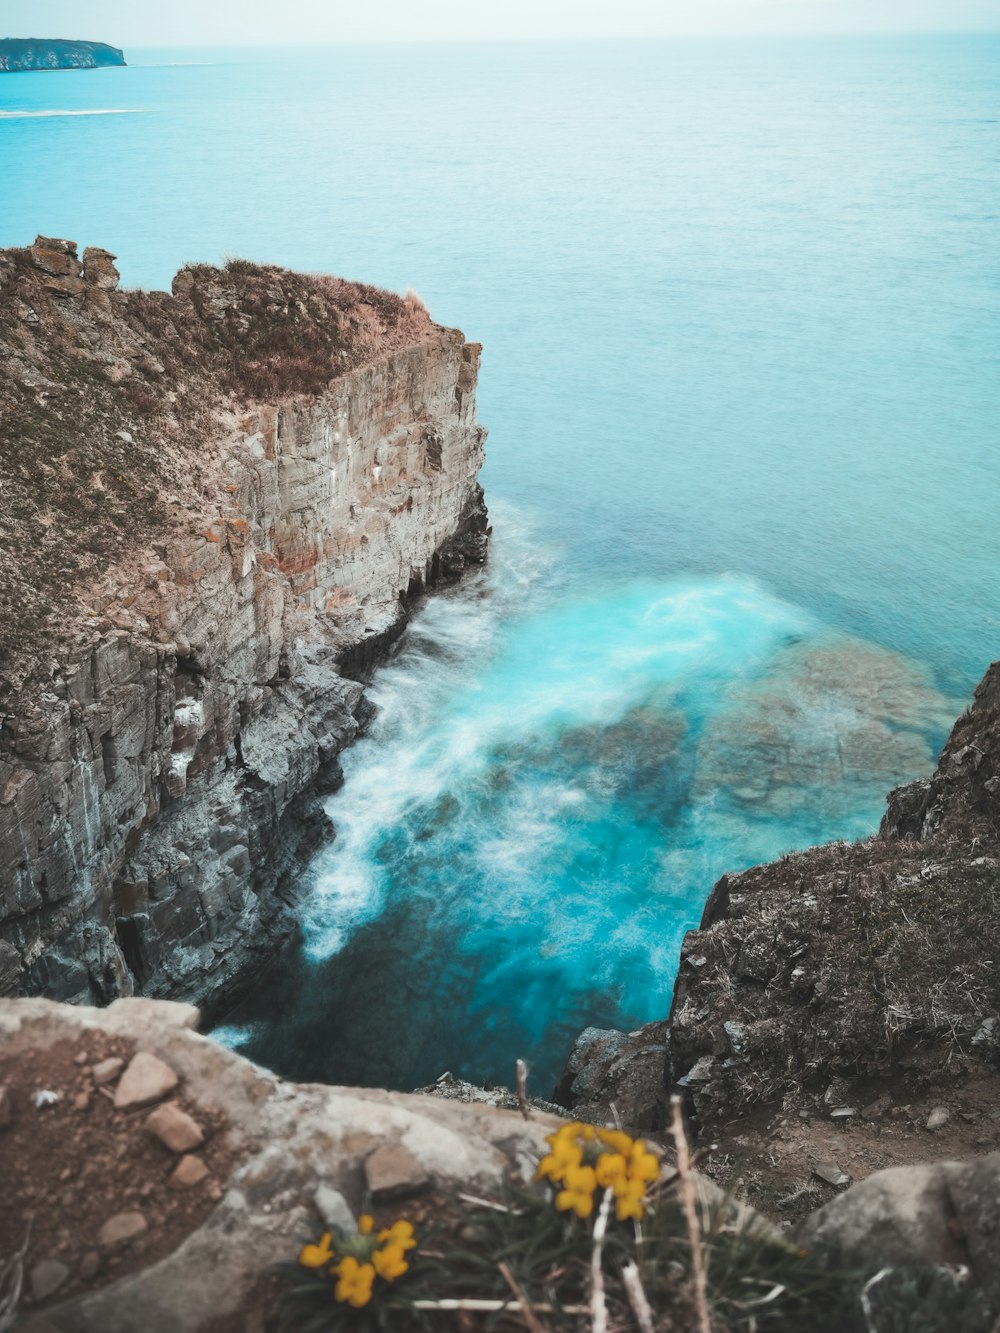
<point>355,1282</point>
<point>611,1166</point>
<point>565,1155</point>
<point>617,1140</point>
<point>643,1165</point>
<point>400,1233</point>
<point>365,1224</point>
<point>629,1204</point>
<point>389,1262</point>
<point>316,1256</point>
<point>578,1192</point>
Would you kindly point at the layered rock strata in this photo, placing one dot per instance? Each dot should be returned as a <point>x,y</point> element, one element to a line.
<point>228,498</point>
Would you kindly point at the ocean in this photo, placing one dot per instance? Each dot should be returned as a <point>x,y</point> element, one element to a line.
<point>740,305</point>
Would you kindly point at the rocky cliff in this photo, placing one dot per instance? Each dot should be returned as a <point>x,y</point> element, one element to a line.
<point>25,53</point>
<point>223,500</point>
<point>838,1011</point>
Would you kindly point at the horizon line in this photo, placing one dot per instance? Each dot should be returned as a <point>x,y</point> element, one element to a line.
<point>527,39</point>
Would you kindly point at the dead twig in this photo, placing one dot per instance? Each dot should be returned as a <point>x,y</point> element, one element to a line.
<point>522,1089</point>
<point>529,1315</point>
<point>11,1282</point>
<point>690,1202</point>
<point>494,1307</point>
<point>636,1294</point>
<point>866,1304</point>
<point>598,1305</point>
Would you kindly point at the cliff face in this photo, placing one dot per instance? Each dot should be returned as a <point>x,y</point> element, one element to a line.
<point>25,53</point>
<point>858,962</point>
<point>238,488</point>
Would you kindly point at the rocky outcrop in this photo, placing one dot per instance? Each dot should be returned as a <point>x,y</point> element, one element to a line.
<point>855,961</point>
<point>284,1161</point>
<point>227,498</point>
<point>841,980</point>
<point>943,1218</point>
<point>153,1179</point>
<point>26,53</point>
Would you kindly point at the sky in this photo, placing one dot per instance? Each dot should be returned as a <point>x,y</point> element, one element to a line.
<point>193,22</point>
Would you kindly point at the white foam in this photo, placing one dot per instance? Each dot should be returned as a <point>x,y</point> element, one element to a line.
<point>45,115</point>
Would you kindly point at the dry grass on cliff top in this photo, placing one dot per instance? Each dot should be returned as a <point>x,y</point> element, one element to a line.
<point>108,414</point>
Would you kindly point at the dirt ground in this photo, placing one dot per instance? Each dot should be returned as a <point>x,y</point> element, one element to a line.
<point>770,1155</point>
<point>68,1167</point>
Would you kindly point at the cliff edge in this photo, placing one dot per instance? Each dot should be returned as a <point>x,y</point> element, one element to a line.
<point>223,500</point>
<point>838,1010</point>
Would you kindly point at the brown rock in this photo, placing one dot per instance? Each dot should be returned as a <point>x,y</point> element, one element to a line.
<point>81,1101</point>
<point>90,1266</point>
<point>81,1058</point>
<point>189,1171</point>
<point>146,1080</point>
<point>174,1128</point>
<point>121,1229</point>
<point>6,1107</point>
<point>108,1070</point>
<point>46,1278</point>
<point>392,1170</point>
<point>99,268</point>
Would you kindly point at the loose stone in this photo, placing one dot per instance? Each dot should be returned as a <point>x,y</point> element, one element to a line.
<point>47,1277</point>
<point>937,1118</point>
<point>188,1172</point>
<point>108,1070</point>
<point>174,1128</point>
<point>831,1173</point>
<point>121,1229</point>
<point>90,1266</point>
<point>146,1080</point>
<point>392,1170</point>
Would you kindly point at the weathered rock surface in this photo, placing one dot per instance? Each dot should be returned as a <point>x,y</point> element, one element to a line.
<point>855,960</point>
<point>847,965</point>
<point>612,1073</point>
<point>25,53</point>
<point>944,1214</point>
<point>227,497</point>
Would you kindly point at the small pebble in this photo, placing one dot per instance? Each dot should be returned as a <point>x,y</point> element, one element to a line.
<point>45,1098</point>
<point>937,1118</point>
<point>81,1101</point>
<point>107,1071</point>
<point>189,1171</point>
<point>47,1277</point>
<point>81,1058</point>
<point>90,1265</point>
<point>121,1229</point>
<point>174,1128</point>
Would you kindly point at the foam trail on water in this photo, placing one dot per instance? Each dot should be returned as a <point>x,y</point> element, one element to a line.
<point>551,786</point>
<point>45,115</point>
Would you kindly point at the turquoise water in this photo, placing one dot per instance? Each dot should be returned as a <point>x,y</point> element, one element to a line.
<point>741,310</point>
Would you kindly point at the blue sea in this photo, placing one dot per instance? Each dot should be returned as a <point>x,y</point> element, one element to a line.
<point>740,304</point>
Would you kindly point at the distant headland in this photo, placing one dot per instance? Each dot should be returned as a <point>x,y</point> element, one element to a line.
<point>26,53</point>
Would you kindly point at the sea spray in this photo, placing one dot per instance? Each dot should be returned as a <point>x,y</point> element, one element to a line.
<point>551,787</point>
